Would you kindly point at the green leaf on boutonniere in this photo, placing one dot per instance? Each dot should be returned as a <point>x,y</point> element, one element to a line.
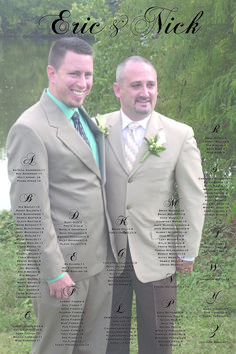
<point>103,128</point>
<point>155,145</point>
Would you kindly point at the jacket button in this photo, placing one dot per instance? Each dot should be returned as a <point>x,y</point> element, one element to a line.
<point>128,207</point>
<point>130,180</point>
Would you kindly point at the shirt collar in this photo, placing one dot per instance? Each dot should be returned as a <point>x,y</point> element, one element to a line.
<point>65,109</point>
<point>125,120</point>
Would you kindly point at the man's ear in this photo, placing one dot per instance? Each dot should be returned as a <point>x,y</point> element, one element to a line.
<point>116,89</point>
<point>51,73</point>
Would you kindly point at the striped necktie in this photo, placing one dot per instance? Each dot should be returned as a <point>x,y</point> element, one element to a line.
<point>131,144</point>
<point>78,126</point>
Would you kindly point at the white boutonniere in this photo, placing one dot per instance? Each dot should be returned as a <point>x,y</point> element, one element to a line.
<point>99,120</point>
<point>155,145</point>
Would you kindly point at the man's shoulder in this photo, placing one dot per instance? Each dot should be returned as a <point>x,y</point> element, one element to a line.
<point>172,124</point>
<point>167,123</point>
<point>35,116</point>
<point>31,114</point>
<point>32,120</point>
<point>109,117</point>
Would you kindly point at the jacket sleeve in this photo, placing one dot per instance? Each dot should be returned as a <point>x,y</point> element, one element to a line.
<point>192,198</point>
<point>29,194</point>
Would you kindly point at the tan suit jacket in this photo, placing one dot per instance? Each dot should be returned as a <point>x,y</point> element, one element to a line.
<point>141,203</point>
<point>56,179</point>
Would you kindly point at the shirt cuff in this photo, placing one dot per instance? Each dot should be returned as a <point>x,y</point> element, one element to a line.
<point>57,278</point>
<point>190,259</point>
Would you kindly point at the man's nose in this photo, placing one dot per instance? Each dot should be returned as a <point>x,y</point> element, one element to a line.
<point>81,82</point>
<point>144,91</point>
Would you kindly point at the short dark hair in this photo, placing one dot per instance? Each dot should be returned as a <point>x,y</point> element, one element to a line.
<point>61,46</point>
<point>120,71</point>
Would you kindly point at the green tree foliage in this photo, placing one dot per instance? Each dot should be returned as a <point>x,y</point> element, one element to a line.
<point>196,71</point>
<point>196,74</point>
<point>21,18</point>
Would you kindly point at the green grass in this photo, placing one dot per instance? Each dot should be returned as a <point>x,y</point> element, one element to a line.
<point>194,294</point>
<point>12,310</point>
<point>199,319</point>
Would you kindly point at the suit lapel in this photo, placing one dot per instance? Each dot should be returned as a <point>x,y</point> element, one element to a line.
<point>69,136</point>
<point>99,137</point>
<point>153,129</point>
<point>115,140</point>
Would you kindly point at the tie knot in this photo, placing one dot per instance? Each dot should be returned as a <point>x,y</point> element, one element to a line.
<point>133,125</point>
<point>75,116</point>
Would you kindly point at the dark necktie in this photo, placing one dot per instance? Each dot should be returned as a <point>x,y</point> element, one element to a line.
<point>79,127</point>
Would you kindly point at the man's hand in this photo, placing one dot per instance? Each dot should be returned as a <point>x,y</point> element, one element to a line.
<point>184,266</point>
<point>61,288</point>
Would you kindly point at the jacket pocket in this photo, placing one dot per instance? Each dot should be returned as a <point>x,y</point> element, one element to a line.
<point>162,230</point>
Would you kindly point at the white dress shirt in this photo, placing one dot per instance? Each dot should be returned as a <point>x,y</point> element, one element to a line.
<point>140,131</point>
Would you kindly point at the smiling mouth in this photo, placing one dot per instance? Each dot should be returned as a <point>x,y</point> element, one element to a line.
<point>79,93</point>
<point>143,102</point>
<point>140,100</point>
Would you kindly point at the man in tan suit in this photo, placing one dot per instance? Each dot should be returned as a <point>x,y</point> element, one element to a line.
<point>156,230</point>
<point>56,168</point>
